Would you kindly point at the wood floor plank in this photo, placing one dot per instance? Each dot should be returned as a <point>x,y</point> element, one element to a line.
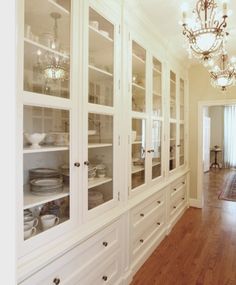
<point>201,249</point>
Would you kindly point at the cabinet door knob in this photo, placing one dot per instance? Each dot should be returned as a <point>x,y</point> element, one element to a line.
<point>175,189</point>
<point>141,215</point>
<point>150,150</point>
<point>158,224</point>
<point>86,163</point>
<point>158,202</point>
<point>174,207</point>
<point>56,281</point>
<point>183,198</point>
<point>105,243</point>
<point>141,240</point>
<point>104,278</point>
<point>77,164</point>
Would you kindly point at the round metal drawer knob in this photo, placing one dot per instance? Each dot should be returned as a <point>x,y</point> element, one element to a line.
<point>104,278</point>
<point>175,189</point>
<point>158,224</point>
<point>141,215</point>
<point>158,202</point>
<point>141,240</point>
<point>174,207</point>
<point>105,243</point>
<point>77,164</point>
<point>56,281</point>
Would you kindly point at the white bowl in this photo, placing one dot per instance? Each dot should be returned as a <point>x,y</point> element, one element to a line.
<point>35,139</point>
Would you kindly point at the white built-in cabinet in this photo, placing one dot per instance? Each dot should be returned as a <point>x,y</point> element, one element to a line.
<point>105,179</point>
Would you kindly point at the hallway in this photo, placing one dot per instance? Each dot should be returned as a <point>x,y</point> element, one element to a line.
<point>201,249</point>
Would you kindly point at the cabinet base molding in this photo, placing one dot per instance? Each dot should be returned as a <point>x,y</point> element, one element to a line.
<point>195,203</point>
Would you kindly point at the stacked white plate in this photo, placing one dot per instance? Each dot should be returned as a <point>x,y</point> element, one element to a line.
<point>95,198</point>
<point>46,186</point>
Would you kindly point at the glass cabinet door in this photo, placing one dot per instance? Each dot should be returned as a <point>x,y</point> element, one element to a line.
<point>182,118</point>
<point>181,100</point>
<point>101,60</point>
<point>100,123</point>
<point>172,95</point>
<point>157,118</point>
<point>47,47</point>
<point>138,152</point>
<point>181,150</point>
<point>156,148</point>
<point>46,169</point>
<point>138,78</point>
<point>100,159</point>
<point>172,159</point>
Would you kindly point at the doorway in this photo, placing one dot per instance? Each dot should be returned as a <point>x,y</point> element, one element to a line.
<point>211,144</point>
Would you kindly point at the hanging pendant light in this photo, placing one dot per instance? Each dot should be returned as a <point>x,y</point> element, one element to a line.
<point>205,31</point>
<point>55,68</point>
<point>223,74</point>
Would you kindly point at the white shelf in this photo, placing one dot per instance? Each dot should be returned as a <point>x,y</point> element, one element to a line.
<point>59,7</point>
<point>155,163</point>
<point>172,139</point>
<point>138,58</point>
<point>137,142</point>
<point>40,46</point>
<point>98,74</point>
<point>172,158</point>
<point>98,181</point>
<point>172,81</point>
<point>138,86</point>
<point>156,94</point>
<point>137,168</point>
<point>31,200</point>
<point>45,149</point>
<point>156,70</point>
<point>98,145</point>
<point>98,33</point>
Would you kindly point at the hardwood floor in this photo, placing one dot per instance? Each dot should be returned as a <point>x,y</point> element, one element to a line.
<point>201,249</point>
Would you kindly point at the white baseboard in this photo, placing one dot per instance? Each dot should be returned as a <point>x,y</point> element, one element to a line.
<point>195,203</point>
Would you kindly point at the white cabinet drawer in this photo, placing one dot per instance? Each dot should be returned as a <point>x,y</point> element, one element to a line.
<point>149,233</point>
<point>107,272</point>
<point>80,259</point>
<point>177,185</point>
<point>178,202</point>
<point>143,212</point>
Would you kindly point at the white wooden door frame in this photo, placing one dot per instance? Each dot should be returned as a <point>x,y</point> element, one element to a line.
<point>201,105</point>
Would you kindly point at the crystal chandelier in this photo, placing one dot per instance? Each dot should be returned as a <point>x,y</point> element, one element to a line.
<point>55,66</point>
<point>205,31</point>
<point>223,74</point>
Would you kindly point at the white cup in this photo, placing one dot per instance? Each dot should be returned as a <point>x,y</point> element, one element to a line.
<point>49,221</point>
<point>94,24</point>
<point>28,230</point>
<point>31,220</point>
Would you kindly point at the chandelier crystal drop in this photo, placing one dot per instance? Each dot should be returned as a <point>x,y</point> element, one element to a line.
<point>223,74</point>
<point>205,31</point>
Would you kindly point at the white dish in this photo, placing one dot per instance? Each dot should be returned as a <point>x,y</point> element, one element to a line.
<point>91,132</point>
<point>34,139</point>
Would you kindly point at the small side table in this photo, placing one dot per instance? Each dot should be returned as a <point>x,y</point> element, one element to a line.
<point>215,163</point>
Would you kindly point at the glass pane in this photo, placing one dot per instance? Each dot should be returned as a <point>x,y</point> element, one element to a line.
<point>138,152</point>
<point>172,164</point>
<point>46,168</point>
<point>138,78</point>
<point>157,100</point>
<point>47,47</point>
<point>101,59</point>
<point>172,95</point>
<point>156,148</point>
<point>100,157</point>
<point>181,153</point>
<point>181,99</point>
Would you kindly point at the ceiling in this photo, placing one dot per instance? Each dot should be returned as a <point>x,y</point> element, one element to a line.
<point>166,15</point>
